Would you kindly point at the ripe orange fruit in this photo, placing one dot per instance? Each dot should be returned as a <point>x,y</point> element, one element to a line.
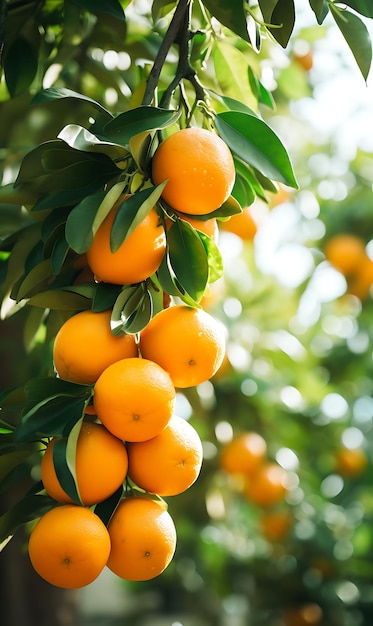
<point>199,168</point>
<point>188,343</point>
<point>143,539</point>
<point>242,224</point>
<point>275,525</point>
<point>136,259</point>
<point>360,284</point>
<point>69,546</point>
<point>305,615</point>
<point>85,346</point>
<point>345,252</point>
<point>304,60</point>
<point>134,399</point>
<point>101,466</point>
<point>351,462</point>
<point>169,463</point>
<point>268,485</point>
<point>244,454</point>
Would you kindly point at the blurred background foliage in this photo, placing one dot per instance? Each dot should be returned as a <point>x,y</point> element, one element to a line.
<point>299,359</point>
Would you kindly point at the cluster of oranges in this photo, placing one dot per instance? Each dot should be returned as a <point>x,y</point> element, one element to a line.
<point>264,483</point>
<point>348,254</point>
<point>130,436</point>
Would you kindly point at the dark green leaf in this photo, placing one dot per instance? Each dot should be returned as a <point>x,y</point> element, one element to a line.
<point>320,9</point>
<point>356,35</point>
<point>111,7</point>
<point>138,120</point>
<point>38,389</point>
<point>230,14</point>
<point>79,232</point>
<point>65,476</point>
<point>20,66</point>
<point>105,509</point>
<point>59,253</point>
<point>53,416</point>
<point>29,508</point>
<point>283,15</point>
<point>132,212</point>
<point>253,141</point>
<point>15,398</point>
<point>56,93</point>
<point>104,296</point>
<point>10,460</point>
<point>169,282</point>
<point>188,258</point>
<point>364,7</point>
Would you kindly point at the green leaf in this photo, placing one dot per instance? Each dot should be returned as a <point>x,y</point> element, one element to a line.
<point>284,16</point>
<point>132,212</point>
<point>20,66</point>
<point>15,397</point>
<point>253,141</point>
<point>141,316</point>
<point>264,96</point>
<point>356,35</point>
<point>53,416</point>
<point>364,7</point>
<point>214,258</point>
<point>82,139</point>
<point>56,93</point>
<point>243,191</point>
<point>135,121</point>
<point>59,253</point>
<point>61,175</point>
<point>188,258</point>
<point>64,454</point>
<point>230,14</point>
<point>231,104</point>
<point>79,224</point>
<point>235,85</point>
<point>105,509</point>
<point>320,9</point>
<point>111,7</point>
<point>170,284</point>
<point>64,298</point>
<point>104,296</point>
<point>11,460</point>
<point>230,207</point>
<point>38,277</point>
<point>132,310</point>
<point>29,508</point>
<point>32,324</point>
<point>111,197</point>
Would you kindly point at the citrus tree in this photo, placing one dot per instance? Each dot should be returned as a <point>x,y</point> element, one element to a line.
<point>110,256</point>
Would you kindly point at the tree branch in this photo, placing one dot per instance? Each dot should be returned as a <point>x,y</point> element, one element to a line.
<point>170,37</point>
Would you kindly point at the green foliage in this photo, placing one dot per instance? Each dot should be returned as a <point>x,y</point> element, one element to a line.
<point>101,124</point>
